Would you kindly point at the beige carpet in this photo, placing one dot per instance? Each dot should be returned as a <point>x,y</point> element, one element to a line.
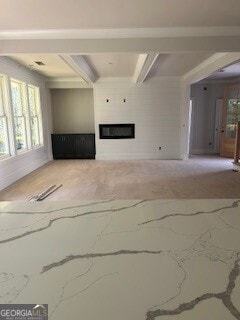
<point>199,177</point>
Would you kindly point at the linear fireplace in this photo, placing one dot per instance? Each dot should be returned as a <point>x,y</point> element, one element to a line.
<point>117,131</point>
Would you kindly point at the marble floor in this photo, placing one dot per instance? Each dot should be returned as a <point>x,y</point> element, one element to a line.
<point>123,259</point>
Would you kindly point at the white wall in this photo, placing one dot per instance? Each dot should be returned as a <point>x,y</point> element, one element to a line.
<point>154,107</point>
<point>202,71</point>
<point>72,110</point>
<point>14,168</point>
<point>203,116</point>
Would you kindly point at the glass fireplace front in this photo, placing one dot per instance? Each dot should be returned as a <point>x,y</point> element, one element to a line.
<point>117,131</point>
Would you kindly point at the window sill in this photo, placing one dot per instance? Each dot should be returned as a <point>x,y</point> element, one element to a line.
<point>6,157</point>
<point>22,151</point>
<point>25,151</point>
<point>38,147</point>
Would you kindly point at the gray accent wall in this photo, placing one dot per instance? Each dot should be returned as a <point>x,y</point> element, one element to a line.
<point>72,110</point>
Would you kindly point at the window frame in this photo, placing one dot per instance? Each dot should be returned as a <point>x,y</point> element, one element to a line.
<point>38,115</point>
<point>31,124</point>
<point>24,115</point>
<point>5,116</point>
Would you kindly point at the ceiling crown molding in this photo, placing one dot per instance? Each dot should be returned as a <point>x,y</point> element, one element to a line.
<point>120,33</point>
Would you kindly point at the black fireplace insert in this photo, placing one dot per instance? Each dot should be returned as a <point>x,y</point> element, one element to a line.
<point>117,131</point>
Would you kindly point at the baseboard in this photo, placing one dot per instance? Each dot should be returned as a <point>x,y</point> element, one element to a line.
<point>184,157</point>
<point>201,151</point>
<point>20,172</point>
<point>137,156</point>
<point>236,167</point>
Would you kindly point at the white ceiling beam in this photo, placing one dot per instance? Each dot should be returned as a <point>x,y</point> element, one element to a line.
<point>139,66</point>
<point>143,66</point>
<point>81,67</point>
<point>210,65</point>
<point>120,33</point>
<point>86,46</point>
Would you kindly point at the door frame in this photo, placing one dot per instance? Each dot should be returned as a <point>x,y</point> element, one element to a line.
<point>218,124</point>
<point>227,144</point>
<point>190,125</point>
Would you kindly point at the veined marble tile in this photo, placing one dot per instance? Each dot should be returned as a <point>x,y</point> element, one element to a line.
<point>123,259</point>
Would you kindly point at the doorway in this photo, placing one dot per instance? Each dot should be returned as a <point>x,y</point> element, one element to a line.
<point>206,118</point>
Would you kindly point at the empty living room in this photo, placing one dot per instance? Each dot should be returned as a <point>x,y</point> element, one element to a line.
<point>120,160</point>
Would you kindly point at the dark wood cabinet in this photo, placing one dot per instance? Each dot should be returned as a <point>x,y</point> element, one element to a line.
<point>73,146</point>
<point>62,146</point>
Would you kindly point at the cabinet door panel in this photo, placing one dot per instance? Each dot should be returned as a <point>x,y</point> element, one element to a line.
<point>84,146</point>
<point>63,146</point>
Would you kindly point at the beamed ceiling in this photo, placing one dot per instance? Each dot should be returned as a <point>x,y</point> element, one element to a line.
<point>90,39</point>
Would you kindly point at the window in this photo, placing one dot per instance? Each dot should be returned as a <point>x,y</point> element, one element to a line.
<point>233,116</point>
<point>34,115</point>
<point>4,145</point>
<point>19,115</point>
